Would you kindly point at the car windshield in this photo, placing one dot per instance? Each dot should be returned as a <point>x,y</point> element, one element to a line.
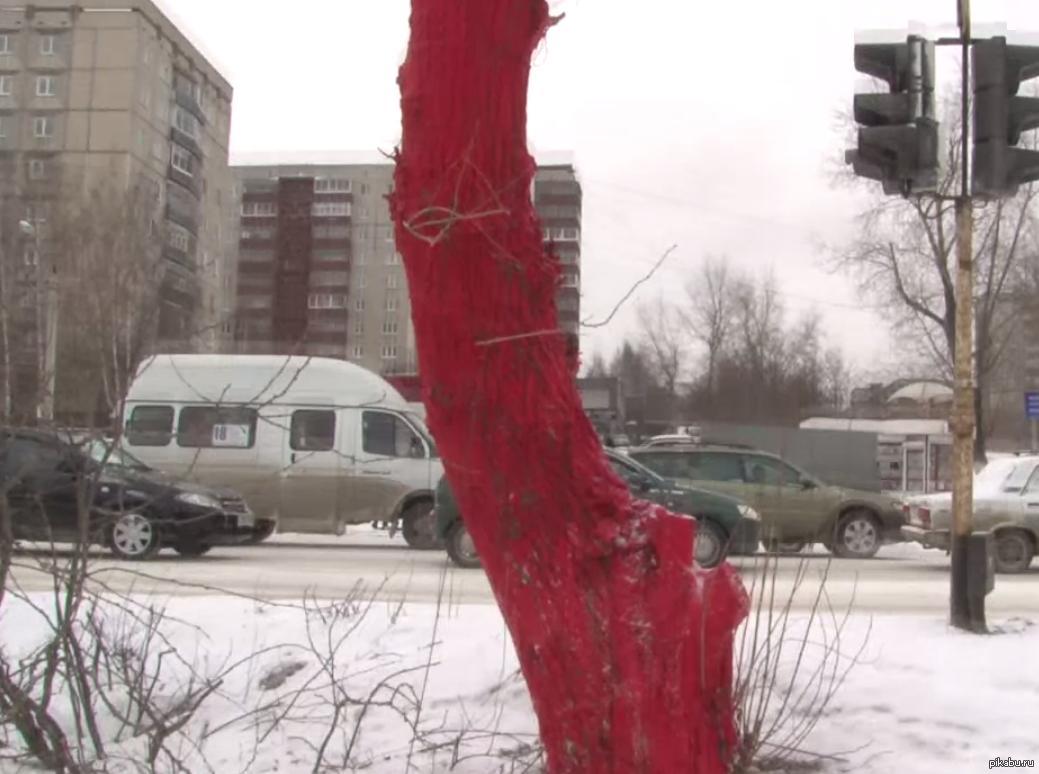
<point>112,456</point>
<point>419,425</point>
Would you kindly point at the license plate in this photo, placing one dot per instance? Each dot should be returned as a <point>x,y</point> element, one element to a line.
<point>246,520</point>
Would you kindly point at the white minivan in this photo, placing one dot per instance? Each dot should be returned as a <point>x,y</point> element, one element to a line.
<point>313,444</point>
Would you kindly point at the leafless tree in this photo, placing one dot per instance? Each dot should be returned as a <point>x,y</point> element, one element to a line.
<point>664,341</point>
<point>709,313</point>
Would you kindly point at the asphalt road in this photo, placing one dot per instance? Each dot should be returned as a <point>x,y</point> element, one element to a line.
<point>902,578</point>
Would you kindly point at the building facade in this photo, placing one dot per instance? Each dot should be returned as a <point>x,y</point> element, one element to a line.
<point>318,271</point>
<point>110,94</point>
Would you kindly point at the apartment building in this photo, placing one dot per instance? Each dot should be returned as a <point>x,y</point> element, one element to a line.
<point>319,273</point>
<point>111,93</point>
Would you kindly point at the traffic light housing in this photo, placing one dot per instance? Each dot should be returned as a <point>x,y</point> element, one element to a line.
<point>1000,116</point>
<point>898,141</point>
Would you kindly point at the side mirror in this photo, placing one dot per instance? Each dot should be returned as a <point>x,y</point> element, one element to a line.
<point>418,452</point>
<point>645,485</point>
<point>807,483</point>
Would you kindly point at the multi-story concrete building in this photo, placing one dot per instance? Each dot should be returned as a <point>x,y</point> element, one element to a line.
<point>111,93</point>
<point>318,271</point>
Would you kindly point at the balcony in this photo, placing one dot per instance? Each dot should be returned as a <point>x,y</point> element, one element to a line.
<point>183,219</point>
<point>184,180</point>
<point>179,257</point>
<point>185,140</point>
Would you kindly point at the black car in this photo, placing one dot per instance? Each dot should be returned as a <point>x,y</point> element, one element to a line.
<point>131,508</point>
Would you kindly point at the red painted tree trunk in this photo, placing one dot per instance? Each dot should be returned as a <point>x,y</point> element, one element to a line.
<point>626,648</point>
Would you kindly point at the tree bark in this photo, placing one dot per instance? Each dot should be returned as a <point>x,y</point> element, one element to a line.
<point>625,645</point>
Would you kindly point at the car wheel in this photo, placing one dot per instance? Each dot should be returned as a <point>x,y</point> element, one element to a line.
<point>419,526</point>
<point>460,547</point>
<point>264,530</point>
<point>191,548</point>
<point>1014,551</point>
<point>709,549</point>
<point>134,536</point>
<point>857,535</point>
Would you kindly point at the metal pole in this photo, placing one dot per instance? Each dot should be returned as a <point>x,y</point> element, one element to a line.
<point>960,613</point>
<point>47,329</point>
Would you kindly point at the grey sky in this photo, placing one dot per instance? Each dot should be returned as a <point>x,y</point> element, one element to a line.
<point>709,125</point>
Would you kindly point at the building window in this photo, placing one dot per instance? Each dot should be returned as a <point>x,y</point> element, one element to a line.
<point>390,327</point>
<point>43,127</point>
<point>362,279</point>
<point>570,281</point>
<point>391,303</point>
<point>259,209</point>
<point>389,351</point>
<point>568,235</point>
<point>186,122</point>
<point>182,160</point>
<point>393,259</point>
<point>6,84</point>
<point>358,351</point>
<point>326,301</point>
<point>364,188</point>
<point>45,86</point>
<point>359,328</point>
<point>5,44</point>
<point>359,305</point>
<point>331,209</point>
<point>3,127</point>
<point>331,185</point>
<point>392,281</point>
<point>254,232</point>
<point>360,258</point>
<point>178,238</point>
<point>37,169</point>
<point>47,45</point>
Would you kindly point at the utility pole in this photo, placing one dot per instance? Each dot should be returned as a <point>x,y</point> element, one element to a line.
<point>963,419</point>
<point>46,329</point>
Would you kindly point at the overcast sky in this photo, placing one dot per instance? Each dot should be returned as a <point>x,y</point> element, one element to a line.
<point>707,124</point>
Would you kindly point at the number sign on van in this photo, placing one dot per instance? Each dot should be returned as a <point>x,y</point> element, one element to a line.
<point>231,436</point>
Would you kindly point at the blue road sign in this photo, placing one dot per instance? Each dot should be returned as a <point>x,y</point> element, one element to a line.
<point>1032,405</point>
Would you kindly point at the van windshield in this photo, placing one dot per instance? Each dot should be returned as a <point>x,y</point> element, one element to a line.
<point>420,427</point>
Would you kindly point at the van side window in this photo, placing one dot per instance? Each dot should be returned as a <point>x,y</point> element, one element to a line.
<point>313,430</point>
<point>223,427</point>
<point>390,436</point>
<point>150,426</point>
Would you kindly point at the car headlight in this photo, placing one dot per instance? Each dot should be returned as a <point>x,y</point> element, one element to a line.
<point>200,500</point>
<point>749,513</point>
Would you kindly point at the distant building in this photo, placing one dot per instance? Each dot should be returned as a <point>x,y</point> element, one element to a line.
<point>111,93</point>
<point>910,419</point>
<point>319,273</point>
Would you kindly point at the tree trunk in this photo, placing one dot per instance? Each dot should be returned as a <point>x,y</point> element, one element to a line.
<point>626,648</point>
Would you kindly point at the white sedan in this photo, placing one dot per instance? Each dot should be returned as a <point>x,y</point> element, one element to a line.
<point>1006,503</point>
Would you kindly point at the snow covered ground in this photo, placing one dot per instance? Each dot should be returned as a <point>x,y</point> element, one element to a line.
<point>922,699</point>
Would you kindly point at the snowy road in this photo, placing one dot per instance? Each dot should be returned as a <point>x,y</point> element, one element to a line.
<point>902,578</point>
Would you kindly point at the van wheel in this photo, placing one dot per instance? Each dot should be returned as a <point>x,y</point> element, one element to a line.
<point>134,536</point>
<point>460,547</point>
<point>419,526</point>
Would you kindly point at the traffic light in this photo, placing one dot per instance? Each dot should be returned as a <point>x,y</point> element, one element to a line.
<point>1000,117</point>
<point>898,144</point>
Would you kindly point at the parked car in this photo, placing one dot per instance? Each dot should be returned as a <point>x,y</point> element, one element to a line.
<point>796,508</point>
<point>313,444</point>
<point>1006,503</point>
<point>725,526</point>
<point>132,509</point>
